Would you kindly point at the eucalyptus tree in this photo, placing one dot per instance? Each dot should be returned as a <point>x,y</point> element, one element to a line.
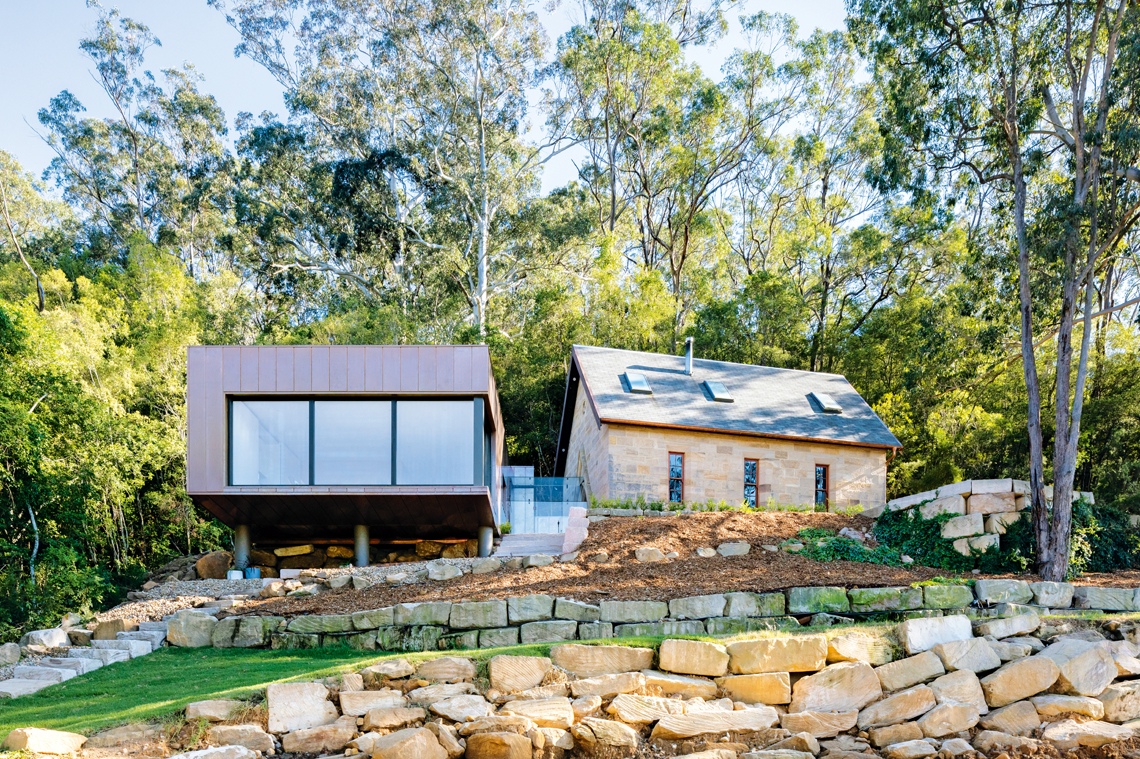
<point>664,140</point>
<point>1018,96</point>
<point>437,86</point>
<point>27,215</point>
<point>157,165</point>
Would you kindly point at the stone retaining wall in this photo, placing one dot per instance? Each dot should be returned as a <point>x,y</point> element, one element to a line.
<point>950,687</point>
<point>443,625</point>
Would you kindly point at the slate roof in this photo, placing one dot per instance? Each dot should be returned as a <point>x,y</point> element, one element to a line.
<point>767,401</point>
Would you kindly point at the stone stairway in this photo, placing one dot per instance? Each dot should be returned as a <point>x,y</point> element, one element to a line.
<point>80,660</point>
<point>530,544</point>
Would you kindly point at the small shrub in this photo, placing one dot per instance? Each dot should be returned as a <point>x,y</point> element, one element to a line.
<point>505,528</point>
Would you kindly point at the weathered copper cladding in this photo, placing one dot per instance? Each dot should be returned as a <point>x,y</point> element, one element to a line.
<point>214,374</point>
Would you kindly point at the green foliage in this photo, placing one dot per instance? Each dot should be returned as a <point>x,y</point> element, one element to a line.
<point>505,528</point>
<point>1103,540</point>
<point>824,545</point>
<point>909,533</point>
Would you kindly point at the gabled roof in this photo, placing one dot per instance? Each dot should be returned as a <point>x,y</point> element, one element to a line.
<point>767,402</point>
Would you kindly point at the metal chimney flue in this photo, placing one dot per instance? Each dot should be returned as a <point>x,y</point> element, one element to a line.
<point>689,356</point>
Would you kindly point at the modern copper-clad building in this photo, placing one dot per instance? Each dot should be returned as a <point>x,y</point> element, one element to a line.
<point>351,444</point>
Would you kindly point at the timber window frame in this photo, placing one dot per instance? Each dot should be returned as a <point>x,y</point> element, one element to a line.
<point>676,477</point>
<point>751,482</point>
<point>822,486</point>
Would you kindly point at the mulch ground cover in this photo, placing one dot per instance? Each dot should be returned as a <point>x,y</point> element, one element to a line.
<point>623,578</point>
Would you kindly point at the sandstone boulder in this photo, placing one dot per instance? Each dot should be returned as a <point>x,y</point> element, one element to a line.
<point>1053,595</point>
<point>392,669</point>
<point>213,566</point>
<point>596,733</point>
<point>679,685</point>
<point>429,694</point>
<point>511,674</point>
<point>910,750</point>
<point>767,688</point>
<point>1086,669</point>
<point>859,646</point>
<point>544,712</point>
<point>643,709</point>
<point>1022,624</point>
<point>410,743</point>
<point>837,688</point>
<point>608,686</point>
<point>679,726</point>
<point>248,736</point>
<point>588,661</point>
<point>1121,702</point>
<point>1003,591</point>
<point>321,739</point>
<point>446,669</point>
<point>215,710</point>
<point>910,671</point>
<point>391,718</point>
<point>899,707</point>
<point>359,703</point>
<point>806,653</point>
<point>191,629</point>
<point>296,706</point>
<point>885,736</point>
<point>918,635</point>
<point>1070,734</point>
<point>1018,718</point>
<point>1019,680</point>
<point>1054,706</point>
<point>947,719</point>
<point>463,708</point>
<point>974,654</point>
<point>39,741</point>
<point>962,687</point>
<point>691,657</point>
<point>498,746</point>
<point>819,724</point>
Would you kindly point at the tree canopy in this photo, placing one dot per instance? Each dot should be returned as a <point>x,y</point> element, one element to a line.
<point>939,202</point>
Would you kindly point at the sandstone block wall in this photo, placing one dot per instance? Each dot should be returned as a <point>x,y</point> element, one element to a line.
<point>626,461</point>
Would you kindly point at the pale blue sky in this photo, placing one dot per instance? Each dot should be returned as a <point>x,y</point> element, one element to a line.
<point>39,56</point>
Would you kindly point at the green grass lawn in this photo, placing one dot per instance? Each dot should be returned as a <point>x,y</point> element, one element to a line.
<point>160,685</point>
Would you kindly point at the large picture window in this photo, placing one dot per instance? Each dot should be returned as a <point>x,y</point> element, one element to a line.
<point>354,442</point>
<point>435,443</point>
<point>270,444</point>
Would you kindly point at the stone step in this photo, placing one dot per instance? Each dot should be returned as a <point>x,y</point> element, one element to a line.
<point>154,637</point>
<point>134,648</point>
<point>50,674</point>
<point>104,655</point>
<point>152,627</point>
<point>19,687</point>
<point>79,666</point>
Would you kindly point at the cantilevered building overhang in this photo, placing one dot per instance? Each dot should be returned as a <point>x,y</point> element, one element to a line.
<point>354,444</point>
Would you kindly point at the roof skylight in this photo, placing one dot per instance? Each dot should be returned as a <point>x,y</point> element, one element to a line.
<point>827,403</point>
<point>637,383</point>
<point>718,391</point>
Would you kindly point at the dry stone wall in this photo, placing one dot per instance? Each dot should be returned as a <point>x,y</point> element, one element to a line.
<point>446,625</point>
<point>951,689</point>
<point>981,510</point>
